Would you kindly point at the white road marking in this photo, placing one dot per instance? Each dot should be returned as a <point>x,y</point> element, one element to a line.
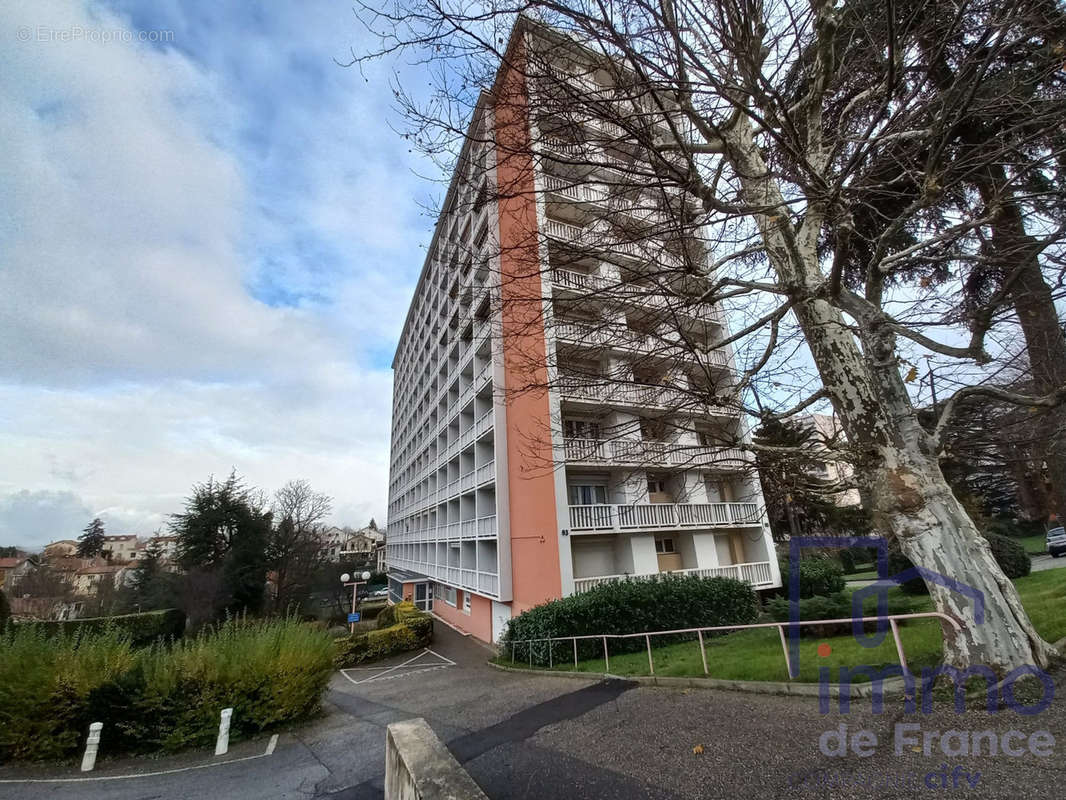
<point>269,751</point>
<point>409,663</point>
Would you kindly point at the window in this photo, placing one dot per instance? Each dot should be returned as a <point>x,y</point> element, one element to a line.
<point>466,602</point>
<point>581,429</point>
<point>664,546</point>
<point>449,596</point>
<point>587,494</point>
<point>655,486</point>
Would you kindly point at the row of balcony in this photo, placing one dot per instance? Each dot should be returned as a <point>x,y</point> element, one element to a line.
<point>475,479</point>
<point>481,582</point>
<point>634,294</point>
<point>619,337</point>
<point>630,452</point>
<point>636,395</point>
<point>464,530</point>
<point>439,459</point>
<point>662,516</point>
<point>756,573</point>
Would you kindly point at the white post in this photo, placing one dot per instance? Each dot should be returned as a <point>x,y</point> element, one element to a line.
<point>222,745</point>
<point>92,744</point>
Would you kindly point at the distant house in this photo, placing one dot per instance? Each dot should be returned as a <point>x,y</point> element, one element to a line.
<point>87,581</point>
<point>123,548</point>
<point>362,544</point>
<point>13,569</point>
<point>64,548</point>
<point>379,556</point>
<point>830,471</point>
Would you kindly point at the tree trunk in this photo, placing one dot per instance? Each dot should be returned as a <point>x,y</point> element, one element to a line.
<point>910,498</point>
<point>1045,343</point>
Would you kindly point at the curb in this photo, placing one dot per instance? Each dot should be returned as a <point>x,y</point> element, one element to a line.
<point>751,687</point>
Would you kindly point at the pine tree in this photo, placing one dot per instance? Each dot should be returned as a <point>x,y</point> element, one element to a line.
<point>92,540</point>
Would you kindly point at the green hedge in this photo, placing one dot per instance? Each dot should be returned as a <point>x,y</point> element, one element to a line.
<point>5,610</point>
<point>160,698</point>
<point>143,628</point>
<point>411,630</point>
<point>817,576</point>
<point>632,606</point>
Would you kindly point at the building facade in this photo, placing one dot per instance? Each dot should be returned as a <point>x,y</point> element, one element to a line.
<point>544,439</point>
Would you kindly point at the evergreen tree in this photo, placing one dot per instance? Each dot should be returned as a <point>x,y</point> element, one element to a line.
<point>92,540</point>
<point>225,531</point>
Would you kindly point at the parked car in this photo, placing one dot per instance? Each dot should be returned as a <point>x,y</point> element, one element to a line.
<point>380,593</point>
<point>1056,542</point>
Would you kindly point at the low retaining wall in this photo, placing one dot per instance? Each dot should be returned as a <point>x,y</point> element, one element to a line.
<point>419,767</point>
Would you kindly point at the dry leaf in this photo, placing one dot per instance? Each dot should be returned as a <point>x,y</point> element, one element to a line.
<point>698,750</point>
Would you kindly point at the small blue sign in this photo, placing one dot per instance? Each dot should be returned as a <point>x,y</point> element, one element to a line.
<point>353,617</point>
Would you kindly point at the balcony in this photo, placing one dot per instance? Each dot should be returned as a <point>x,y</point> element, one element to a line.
<point>662,516</point>
<point>626,452</point>
<point>636,395</point>
<point>756,573</point>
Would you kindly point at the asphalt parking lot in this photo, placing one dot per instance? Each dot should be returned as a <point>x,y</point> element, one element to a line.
<point>540,736</point>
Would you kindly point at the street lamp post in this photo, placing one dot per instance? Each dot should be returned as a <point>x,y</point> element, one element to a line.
<point>346,580</point>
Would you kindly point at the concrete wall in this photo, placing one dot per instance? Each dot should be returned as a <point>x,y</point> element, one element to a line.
<point>419,767</point>
<point>478,622</point>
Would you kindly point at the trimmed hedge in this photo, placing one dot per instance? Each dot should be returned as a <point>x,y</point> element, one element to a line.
<point>665,603</point>
<point>817,576</point>
<point>160,698</point>
<point>143,628</point>
<point>412,630</point>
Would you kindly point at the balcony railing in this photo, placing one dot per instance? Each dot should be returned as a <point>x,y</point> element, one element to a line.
<point>578,281</point>
<point>629,452</point>
<point>641,395</point>
<point>662,516</point>
<point>757,573</point>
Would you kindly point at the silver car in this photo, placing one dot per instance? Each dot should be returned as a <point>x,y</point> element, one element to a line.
<point>1056,541</point>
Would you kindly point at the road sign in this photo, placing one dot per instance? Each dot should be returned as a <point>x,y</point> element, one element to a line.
<point>353,617</point>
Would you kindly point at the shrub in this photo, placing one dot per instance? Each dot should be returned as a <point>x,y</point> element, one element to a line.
<point>387,616</point>
<point>163,697</point>
<point>411,630</point>
<point>5,610</point>
<point>817,576</point>
<point>143,628</point>
<point>847,560</point>
<point>631,606</point>
<point>1010,555</point>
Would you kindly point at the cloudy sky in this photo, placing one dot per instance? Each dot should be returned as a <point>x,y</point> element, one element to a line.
<point>207,245</point>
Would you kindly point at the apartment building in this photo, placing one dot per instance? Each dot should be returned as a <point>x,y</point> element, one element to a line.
<point>550,432</point>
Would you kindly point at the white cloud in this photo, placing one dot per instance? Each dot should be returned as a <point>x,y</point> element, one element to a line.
<point>139,360</point>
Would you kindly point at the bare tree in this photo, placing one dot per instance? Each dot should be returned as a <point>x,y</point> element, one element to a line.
<point>718,155</point>
<point>295,550</point>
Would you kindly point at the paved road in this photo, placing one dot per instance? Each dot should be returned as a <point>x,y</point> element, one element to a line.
<point>536,736</point>
<point>1040,563</point>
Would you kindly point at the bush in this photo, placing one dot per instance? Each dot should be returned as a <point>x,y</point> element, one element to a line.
<point>143,628</point>
<point>847,560</point>
<point>631,606</point>
<point>411,630</point>
<point>5,610</point>
<point>1010,555</point>
<point>817,576</point>
<point>159,698</point>
<point>387,616</point>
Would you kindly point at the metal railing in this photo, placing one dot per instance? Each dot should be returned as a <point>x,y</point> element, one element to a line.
<point>660,516</point>
<point>757,573</point>
<point>892,620</point>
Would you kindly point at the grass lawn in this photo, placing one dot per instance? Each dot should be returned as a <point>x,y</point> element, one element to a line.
<point>1034,545</point>
<point>865,575</point>
<point>756,654</point>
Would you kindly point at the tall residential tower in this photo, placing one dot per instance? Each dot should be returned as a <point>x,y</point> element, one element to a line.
<point>551,428</point>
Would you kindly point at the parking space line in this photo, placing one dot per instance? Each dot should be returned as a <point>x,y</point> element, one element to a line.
<point>385,674</point>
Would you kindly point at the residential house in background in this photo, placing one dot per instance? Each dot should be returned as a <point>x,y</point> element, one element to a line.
<point>12,570</point>
<point>123,548</point>
<point>64,548</point>
<point>497,505</point>
<point>832,472</point>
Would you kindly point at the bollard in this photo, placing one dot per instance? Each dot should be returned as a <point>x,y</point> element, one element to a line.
<point>222,745</point>
<point>92,744</point>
